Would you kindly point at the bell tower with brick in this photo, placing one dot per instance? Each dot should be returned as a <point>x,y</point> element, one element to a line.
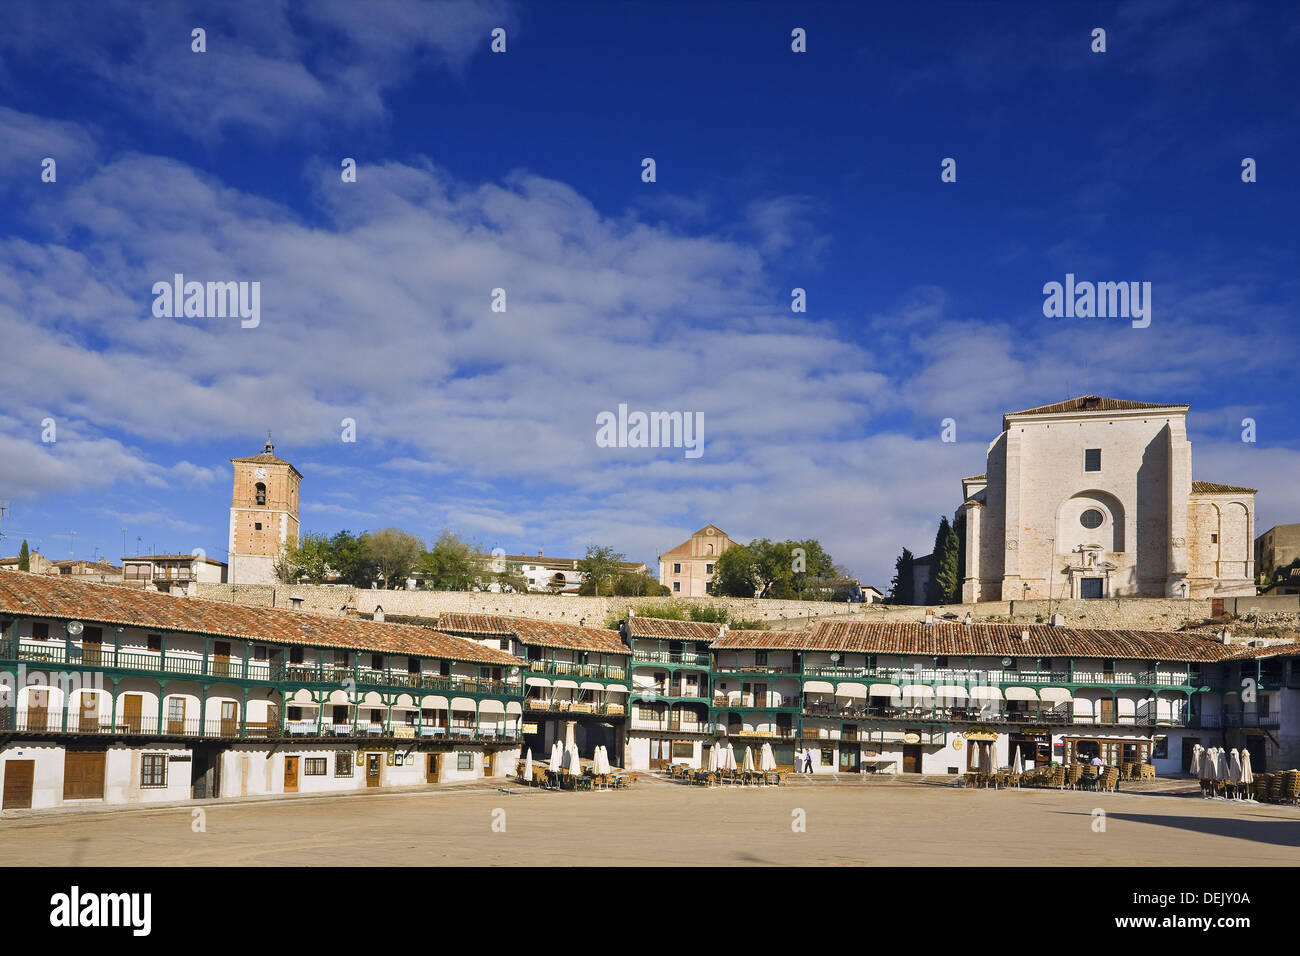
<point>263,515</point>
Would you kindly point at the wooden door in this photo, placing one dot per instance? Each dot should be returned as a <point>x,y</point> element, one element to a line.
<point>88,716</point>
<point>373,763</point>
<point>221,659</point>
<point>229,719</point>
<point>1108,710</point>
<point>175,715</point>
<point>38,710</point>
<point>660,753</point>
<point>290,774</point>
<point>131,707</point>
<point>19,775</point>
<point>911,758</point>
<point>83,774</point>
<point>92,646</point>
<point>760,695</point>
<point>431,769</point>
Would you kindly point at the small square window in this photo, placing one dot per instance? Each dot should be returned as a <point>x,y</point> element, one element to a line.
<point>257,526</point>
<point>314,767</point>
<point>40,631</point>
<point>708,569</point>
<point>677,569</point>
<point>343,763</point>
<point>1092,459</point>
<point>464,761</point>
<point>153,770</point>
<point>1214,539</point>
<point>154,642</point>
<point>677,585</point>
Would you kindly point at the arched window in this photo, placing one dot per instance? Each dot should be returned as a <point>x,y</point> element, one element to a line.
<point>261,493</point>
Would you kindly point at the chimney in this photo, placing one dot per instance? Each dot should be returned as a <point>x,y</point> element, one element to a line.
<point>1058,620</point>
<point>539,552</point>
<point>929,618</point>
<point>970,619</point>
<point>379,612</point>
<point>631,612</point>
<point>1224,636</point>
<point>1024,635</point>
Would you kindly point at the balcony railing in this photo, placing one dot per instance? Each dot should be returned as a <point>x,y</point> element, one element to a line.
<point>671,657</point>
<point>575,707</point>
<point>1061,714</point>
<point>1215,721</point>
<point>570,669</point>
<point>750,702</point>
<point>46,722</point>
<point>157,662</point>
<point>674,726</point>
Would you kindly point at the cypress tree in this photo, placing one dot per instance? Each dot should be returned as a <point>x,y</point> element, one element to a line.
<point>24,557</point>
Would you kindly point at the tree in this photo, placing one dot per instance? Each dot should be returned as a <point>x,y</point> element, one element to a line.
<point>943,585</point>
<point>452,564</point>
<point>24,557</point>
<point>902,587</point>
<point>735,573</point>
<point>309,561</point>
<point>511,579</point>
<point>392,553</point>
<point>959,526</point>
<point>348,561</point>
<point>638,584</point>
<point>600,569</point>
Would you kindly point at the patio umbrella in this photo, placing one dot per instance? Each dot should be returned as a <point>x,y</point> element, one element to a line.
<point>528,765</point>
<point>602,761</point>
<point>1220,764</point>
<point>1234,767</point>
<point>749,760</point>
<point>1018,766</point>
<point>712,765</point>
<point>1197,756</point>
<point>731,757</point>
<point>575,765</point>
<point>766,759</point>
<point>1247,778</point>
<point>1207,764</point>
<point>554,766</point>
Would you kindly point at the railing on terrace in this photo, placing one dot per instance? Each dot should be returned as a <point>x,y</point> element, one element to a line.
<point>51,723</point>
<point>662,692</point>
<point>574,707</point>
<point>570,669</point>
<point>155,662</point>
<point>1054,715</point>
<point>1214,721</point>
<point>748,702</point>
<point>981,676</point>
<point>724,668</point>
<point>674,726</point>
<point>671,657</point>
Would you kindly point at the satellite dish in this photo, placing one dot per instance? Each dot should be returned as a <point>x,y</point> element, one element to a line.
<point>75,628</point>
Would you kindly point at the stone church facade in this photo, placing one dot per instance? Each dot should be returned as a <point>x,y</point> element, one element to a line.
<point>1094,497</point>
<point>263,515</point>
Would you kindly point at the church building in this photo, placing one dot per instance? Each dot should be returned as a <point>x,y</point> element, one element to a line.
<point>1094,498</point>
<point>263,515</point>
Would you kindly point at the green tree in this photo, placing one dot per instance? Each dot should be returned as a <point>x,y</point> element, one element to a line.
<point>943,585</point>
<point>24,557</point>
<point>511,578</point>
<point>393,554</point>
<point>959,526</point>
<point>735,573</point>
<point>348,561</point>
<point>902,587</point>
<point>638,584</point>
<point>600,570</point>
<point>452,564</point>
<point>309,561</point>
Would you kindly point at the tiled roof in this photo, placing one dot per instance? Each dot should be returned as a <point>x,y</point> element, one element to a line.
<point>537,633</point>
<point>1272,650</point>
<point>1214,488</point>
<point>638,626</point>
<point>173,557</point>
<point>1091,403</point>
<point>982,640</point>
<point>24,595</point>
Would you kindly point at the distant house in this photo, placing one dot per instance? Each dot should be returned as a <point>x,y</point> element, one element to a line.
<point>100,571</point>
<point>37,563</point>
<point>163,571</point>
<point>1277,548</point>
<point>556,575</point>
<point>687,570</point>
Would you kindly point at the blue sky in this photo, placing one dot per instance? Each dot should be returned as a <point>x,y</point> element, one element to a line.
<point>521,170</point>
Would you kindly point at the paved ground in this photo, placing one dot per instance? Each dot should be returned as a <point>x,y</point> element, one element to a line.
<point>659,823</point>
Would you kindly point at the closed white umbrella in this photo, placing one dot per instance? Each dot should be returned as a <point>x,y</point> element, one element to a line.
<point>1220,764</point>
<point>1018,767</point>
<point>1247,777</point>
<point>602,760</point>
<point>528,765</point>
<point>554,765</point>
<point>767,759</point>
<point>731,757</point>
<point>1207,764</point>
<point>748,766</point>
<point>575,765</point>
<point>1234,767</point>
<point>1198,755</point>
<point>712,765</point>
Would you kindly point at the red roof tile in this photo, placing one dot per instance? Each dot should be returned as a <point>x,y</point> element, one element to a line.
<point>537,633</point>
<point>639,626</point>
<point>23,595</point>
<point>1214,488</point>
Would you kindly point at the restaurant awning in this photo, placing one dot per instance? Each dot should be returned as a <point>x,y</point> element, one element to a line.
<point>617,688</point>
<point>818,687</point>
<point>571,684</point>
<point>1021,693</point>
<point>514,707</point>
<point>1055,695</point>
<point>923,691</point>
<point>850,689</point>
<point>985,693</point>
<point>537,682</point>
<point>952,692</point>
<point>885,690</point>
<point>434,703</point>
<point>462,703</point>
<point>491,707</point>
<point>592,685</point>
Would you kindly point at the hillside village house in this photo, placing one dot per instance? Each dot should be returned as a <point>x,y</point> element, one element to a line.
<point>168,571</point>
<point>556,575</point>
<point>36,563</point>
<point>1094,498</point>
<point>123,695</point>
<point>1276,548</point>
<point>687,570</point>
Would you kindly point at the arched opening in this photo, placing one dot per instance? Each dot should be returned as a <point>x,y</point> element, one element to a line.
<point>1090,519</point>
<point>261,493</point>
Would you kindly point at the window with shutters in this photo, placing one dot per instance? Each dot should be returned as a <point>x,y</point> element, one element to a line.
<point>153,770</point>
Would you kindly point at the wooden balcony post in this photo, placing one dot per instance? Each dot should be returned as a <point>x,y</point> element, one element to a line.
<point>112,705</point>
<point>207,656</point>
<point>243,708</point>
